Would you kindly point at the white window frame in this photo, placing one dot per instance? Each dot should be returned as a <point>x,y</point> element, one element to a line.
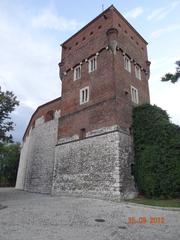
<point>134,95</point>
<point>92,64</point>
<point>77,72</point>
<point>84,95</point>
<point>127,63</point>
<point>138,72</point>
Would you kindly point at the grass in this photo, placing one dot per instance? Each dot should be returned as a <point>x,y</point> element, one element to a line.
<point>174,203</point>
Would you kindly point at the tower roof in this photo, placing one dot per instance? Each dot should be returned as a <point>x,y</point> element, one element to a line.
<point>111,8</point>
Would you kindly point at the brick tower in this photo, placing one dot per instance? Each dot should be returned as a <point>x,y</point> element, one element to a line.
<point>104,70</point>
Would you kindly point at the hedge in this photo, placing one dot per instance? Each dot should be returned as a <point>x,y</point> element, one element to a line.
<point>157,152</point>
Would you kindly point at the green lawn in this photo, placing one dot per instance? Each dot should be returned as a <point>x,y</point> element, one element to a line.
<point>174,203</point>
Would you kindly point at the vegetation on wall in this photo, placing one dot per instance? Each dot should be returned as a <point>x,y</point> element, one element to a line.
<point>157,152</point>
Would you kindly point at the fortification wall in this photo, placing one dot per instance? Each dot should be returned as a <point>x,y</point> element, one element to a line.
<point>98,165</point>
<point>22,163</point>
<point>37,156</point>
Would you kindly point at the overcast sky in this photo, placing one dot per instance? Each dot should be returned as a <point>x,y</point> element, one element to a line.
<point>31,32</point>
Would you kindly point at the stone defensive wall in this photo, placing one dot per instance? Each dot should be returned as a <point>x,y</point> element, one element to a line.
<point>37,153</point>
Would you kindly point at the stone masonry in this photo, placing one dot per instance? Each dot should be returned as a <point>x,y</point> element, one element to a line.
<point>81,143</point>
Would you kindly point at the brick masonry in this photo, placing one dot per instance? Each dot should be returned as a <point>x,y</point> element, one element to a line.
<point>56,156</point>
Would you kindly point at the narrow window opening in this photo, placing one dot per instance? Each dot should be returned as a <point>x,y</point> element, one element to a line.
<point>127,63</point>
<point>49,116</point>
<point>84,95</point>
<point>92,64</point>
<point>134,95</point>
<point>132,169</point>
<point>138,72</point>
<point>82,133</point>
<point>77,72</point>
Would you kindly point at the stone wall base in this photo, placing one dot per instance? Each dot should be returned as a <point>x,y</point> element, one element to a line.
<point>97,166</point>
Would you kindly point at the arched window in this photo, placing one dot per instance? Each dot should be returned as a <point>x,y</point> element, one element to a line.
<point>49,116</point>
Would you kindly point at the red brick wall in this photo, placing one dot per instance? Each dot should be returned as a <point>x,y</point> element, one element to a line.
<point>42,111</point>
<point>110,80</point>
<point>110,85</point>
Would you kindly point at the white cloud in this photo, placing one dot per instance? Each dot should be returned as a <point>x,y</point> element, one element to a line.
<point>161,13</point>
<point>28,66</point>
<point>134,13</point>
<point>167,29</point>
<point>48,19</point>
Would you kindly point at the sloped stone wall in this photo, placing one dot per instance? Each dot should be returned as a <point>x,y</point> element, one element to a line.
<point>37,157</point>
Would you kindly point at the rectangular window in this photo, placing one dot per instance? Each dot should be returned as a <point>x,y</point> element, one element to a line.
<point>138,72</point>
<point>82,133</point>
<point>92,64</point>
<point>77,72</point>
<point>84,95</point>
<point>127,63</point>
<point>134,95</point>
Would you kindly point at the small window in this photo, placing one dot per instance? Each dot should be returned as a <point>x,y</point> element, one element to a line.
<point>33,124</point>
<point>134,95</point>
<point>92,64</point>
<point>82,133</point>
<point>77,72</point>
<point>138,72</point>
<point>84,95</point>
<point>132,169</point>
<point>127,63</point>
<point>49,116</point>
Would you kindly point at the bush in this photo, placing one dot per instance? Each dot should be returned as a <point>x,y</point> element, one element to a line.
<point>157,152</point>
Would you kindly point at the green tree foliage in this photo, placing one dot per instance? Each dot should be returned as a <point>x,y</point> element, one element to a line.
<point>9,153</point>
<point>9,160</point>
<point>157,152</point>
<point>8,102</point>
<point>172,77</point>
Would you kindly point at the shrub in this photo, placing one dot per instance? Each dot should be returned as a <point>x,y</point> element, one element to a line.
<point>157,152</point>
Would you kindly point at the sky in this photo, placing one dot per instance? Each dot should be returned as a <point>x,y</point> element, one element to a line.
<point>31,32</point>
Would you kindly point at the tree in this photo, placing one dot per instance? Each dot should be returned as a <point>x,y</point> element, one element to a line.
<point>172,77</point>
<point>8,102</point>
<point>9,152</point>
<point>9,160</point>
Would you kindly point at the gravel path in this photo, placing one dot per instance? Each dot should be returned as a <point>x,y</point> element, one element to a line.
<point>29,216</point>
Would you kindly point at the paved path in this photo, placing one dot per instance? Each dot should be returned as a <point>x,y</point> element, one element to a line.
<point>30,216</point>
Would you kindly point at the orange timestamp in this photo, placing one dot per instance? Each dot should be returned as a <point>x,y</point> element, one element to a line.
<point>145,220</point>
